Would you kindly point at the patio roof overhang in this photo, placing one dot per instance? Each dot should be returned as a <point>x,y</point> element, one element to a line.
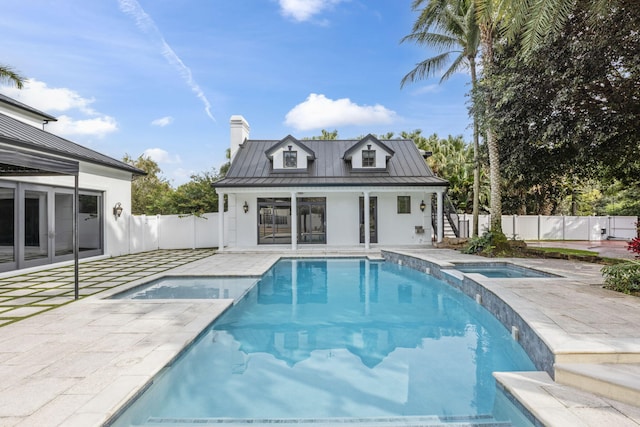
<point>16,162</point>
<point>19,162</point>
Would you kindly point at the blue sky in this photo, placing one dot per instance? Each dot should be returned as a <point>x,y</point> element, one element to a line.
<point>163,77</point>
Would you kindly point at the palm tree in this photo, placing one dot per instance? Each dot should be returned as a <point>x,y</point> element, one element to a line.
<point>456,22</point>
<point>534,21</point>
<point>7,74</point>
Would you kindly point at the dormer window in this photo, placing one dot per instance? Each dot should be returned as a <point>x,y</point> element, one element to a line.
<point>290,159</point>
<point>368,158</point>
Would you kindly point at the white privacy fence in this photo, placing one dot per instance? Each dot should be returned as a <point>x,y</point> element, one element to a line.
<point>189,232</point>
<point>539,227</point>
<point>173,232</point>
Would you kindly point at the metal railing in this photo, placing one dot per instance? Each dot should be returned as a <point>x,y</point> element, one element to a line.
<point>449,213</point>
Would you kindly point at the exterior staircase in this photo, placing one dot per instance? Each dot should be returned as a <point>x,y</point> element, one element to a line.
<point>451,218</point>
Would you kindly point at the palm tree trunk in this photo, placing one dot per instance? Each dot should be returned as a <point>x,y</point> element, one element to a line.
<point>476,154</point>
<point>486,40</point>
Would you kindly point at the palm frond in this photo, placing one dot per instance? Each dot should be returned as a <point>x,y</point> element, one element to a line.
<point>458,64</point>
<point>426,68</point>
<point>9,75</point>
<point>546,18</point>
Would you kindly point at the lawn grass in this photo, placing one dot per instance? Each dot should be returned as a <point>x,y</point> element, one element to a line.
<point>565,251</point>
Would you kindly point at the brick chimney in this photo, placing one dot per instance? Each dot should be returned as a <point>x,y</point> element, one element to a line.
<point>239,133</point>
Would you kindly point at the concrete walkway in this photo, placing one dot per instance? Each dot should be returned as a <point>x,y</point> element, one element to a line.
<point>77,364</point>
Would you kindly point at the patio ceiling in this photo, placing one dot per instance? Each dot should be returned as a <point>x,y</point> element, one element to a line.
<point>16,162</point>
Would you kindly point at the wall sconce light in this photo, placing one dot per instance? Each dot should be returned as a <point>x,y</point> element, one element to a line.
<point>422,206</point>
<point>117,210</point>
<point>245,207</point>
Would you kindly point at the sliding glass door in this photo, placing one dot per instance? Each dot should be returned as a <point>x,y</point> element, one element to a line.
<point>35,229</point>
<point>36,225</point>
<point>311,220</point>
<point>274,221</point>
<point>8,233</point>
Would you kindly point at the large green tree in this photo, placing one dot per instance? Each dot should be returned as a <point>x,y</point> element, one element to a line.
<point>196,196</point>
<point>451,28</point>
<point>150,193</point>
<point>570,112</point>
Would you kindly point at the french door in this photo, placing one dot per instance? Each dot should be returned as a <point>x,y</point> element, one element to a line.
<point>311,220</point>
<point>36,225</point>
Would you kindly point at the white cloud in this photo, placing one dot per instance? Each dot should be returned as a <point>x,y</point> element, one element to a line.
<point>161,156</point>
<point>303,10</point>
<point>148,26</point>
<point>163,121</point>
<point>97,126</point>
<point>319,112</point>
<point>50,100</point>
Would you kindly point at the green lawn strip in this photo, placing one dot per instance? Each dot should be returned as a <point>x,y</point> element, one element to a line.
<point>564,251</point>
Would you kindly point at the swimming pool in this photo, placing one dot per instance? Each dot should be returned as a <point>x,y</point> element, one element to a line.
<point>327,338</point>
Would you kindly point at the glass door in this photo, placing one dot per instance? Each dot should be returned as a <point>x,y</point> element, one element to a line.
<point>7,229</point>
<point>63,226</point>
<point>373,220</point>
<point>35,230</point>
<point>274,221</point>
<point>90,224</point>
<point>311,220</point>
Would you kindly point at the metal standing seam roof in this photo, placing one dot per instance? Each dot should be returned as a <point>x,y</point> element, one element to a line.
<point>252,168</point>
<point>17,104</point>
<point>21,135</point>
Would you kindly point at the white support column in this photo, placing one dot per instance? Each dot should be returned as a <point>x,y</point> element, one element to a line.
<point>220,222</point>
<point>294,221</point>
<point>367,222</point>
<point>440,217</point>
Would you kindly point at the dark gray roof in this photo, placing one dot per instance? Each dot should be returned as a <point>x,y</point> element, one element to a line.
<point>19,134</point>
<point>252,168</point>
<point>24,107</point>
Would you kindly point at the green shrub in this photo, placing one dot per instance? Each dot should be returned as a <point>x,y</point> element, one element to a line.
<point>623,277</point>
<point>491,243</point>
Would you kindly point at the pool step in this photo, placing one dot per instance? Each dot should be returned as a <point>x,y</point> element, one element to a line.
<point>618,381</point>
<point>420,421</point>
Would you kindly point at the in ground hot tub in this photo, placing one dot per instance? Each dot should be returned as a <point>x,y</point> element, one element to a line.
<point>502,270</point>
<point>190,287</point>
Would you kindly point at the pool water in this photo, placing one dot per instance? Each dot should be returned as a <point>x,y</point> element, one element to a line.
<point>502,270</point>
<point>325,338</point>
<point>186,287</point>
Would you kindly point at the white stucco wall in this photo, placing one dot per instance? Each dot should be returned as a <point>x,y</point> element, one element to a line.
<point>400,229</point>
<point>116,187</point>
<point>343,222</point>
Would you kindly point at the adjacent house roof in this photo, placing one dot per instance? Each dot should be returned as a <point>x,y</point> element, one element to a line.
<point>251,167</point>
<point>26,109</point>
<point>18,134</point>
